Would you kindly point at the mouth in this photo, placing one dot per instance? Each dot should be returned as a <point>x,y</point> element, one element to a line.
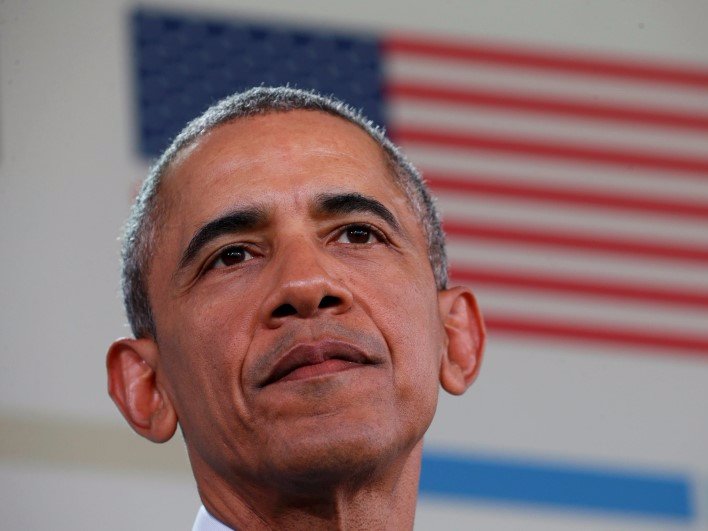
<point>310,360</point>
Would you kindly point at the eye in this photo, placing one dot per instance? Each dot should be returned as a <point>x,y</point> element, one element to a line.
<point>359,234</point>
<point>231,256</point>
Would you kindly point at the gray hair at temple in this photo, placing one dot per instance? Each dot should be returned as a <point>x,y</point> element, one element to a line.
<point>142,226</point>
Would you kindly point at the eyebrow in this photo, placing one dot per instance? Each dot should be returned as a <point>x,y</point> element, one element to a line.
<point>348,203</point>
<point>242,220</point>
<point>233,222</point>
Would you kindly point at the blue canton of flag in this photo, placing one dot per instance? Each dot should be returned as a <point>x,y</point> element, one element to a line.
<point>184,64</point>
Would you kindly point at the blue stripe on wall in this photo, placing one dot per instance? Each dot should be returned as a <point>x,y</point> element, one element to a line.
<point>555,485</point>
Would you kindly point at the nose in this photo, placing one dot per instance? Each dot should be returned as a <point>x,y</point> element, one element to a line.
<point>303,288</point>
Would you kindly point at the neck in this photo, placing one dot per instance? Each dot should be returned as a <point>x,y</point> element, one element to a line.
<point>385,500</point>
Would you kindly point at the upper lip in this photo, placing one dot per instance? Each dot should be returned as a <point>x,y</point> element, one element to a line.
<point>312,353</point>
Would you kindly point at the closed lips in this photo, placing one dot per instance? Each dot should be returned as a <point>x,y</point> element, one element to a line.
<point>333,355</point>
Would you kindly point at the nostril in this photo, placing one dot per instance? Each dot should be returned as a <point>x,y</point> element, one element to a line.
<point>329,301</point>
<point>284,310</point>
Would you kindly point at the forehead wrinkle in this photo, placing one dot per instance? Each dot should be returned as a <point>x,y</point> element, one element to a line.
<point>294,143</point>
<point>223,165</point>
<point>227,159</point>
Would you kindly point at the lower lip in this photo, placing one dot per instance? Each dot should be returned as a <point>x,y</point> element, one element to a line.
<point>318,369</point>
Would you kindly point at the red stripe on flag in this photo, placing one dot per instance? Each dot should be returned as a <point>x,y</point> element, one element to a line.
<point>552,150</point>
<point>534,104</point>
<point>545,60</point>
<point>661,343</point>
<point>489,185</point>
<point>576,241</point>
<point>579,286</point>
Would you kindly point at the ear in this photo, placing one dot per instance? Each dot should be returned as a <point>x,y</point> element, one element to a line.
<point>133,386</point>
<point>465,332</point>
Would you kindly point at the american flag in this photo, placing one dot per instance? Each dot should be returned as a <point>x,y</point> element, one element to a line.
<point>573,185</point>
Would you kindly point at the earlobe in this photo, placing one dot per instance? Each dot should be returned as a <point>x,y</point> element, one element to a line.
<point>133,386</point>
<point>466,336</point>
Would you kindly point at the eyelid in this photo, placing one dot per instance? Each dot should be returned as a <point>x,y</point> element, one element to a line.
<point>216,255</point>
<point>378,233</point>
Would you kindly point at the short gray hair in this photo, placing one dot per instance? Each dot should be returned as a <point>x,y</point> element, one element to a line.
<point>141,228</point>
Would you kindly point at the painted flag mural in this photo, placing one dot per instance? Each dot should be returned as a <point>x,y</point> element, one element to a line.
<point>574,192</point>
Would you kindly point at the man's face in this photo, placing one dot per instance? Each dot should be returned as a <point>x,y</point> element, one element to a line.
<point>295,306</point>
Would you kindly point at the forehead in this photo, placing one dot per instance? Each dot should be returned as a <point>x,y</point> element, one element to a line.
<point>255,157</point>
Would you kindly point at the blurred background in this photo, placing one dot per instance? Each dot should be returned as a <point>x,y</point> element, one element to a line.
<point>567,143</point>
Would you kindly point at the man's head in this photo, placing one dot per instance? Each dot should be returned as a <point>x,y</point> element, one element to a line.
<point>142,226</point>
<point>299,321</point>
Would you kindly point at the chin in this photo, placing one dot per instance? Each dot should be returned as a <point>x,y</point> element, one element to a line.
<point>350,455</point>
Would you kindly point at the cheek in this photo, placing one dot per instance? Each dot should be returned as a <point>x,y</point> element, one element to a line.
<point>416,356</point>
<point>409,319</point>
<point>217,317</point>
<point>203,354</point>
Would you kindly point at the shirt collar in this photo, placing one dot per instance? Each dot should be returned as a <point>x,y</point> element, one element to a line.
<point>206,522</point>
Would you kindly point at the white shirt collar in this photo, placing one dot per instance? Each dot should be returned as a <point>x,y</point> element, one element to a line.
<point>206,522</point>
